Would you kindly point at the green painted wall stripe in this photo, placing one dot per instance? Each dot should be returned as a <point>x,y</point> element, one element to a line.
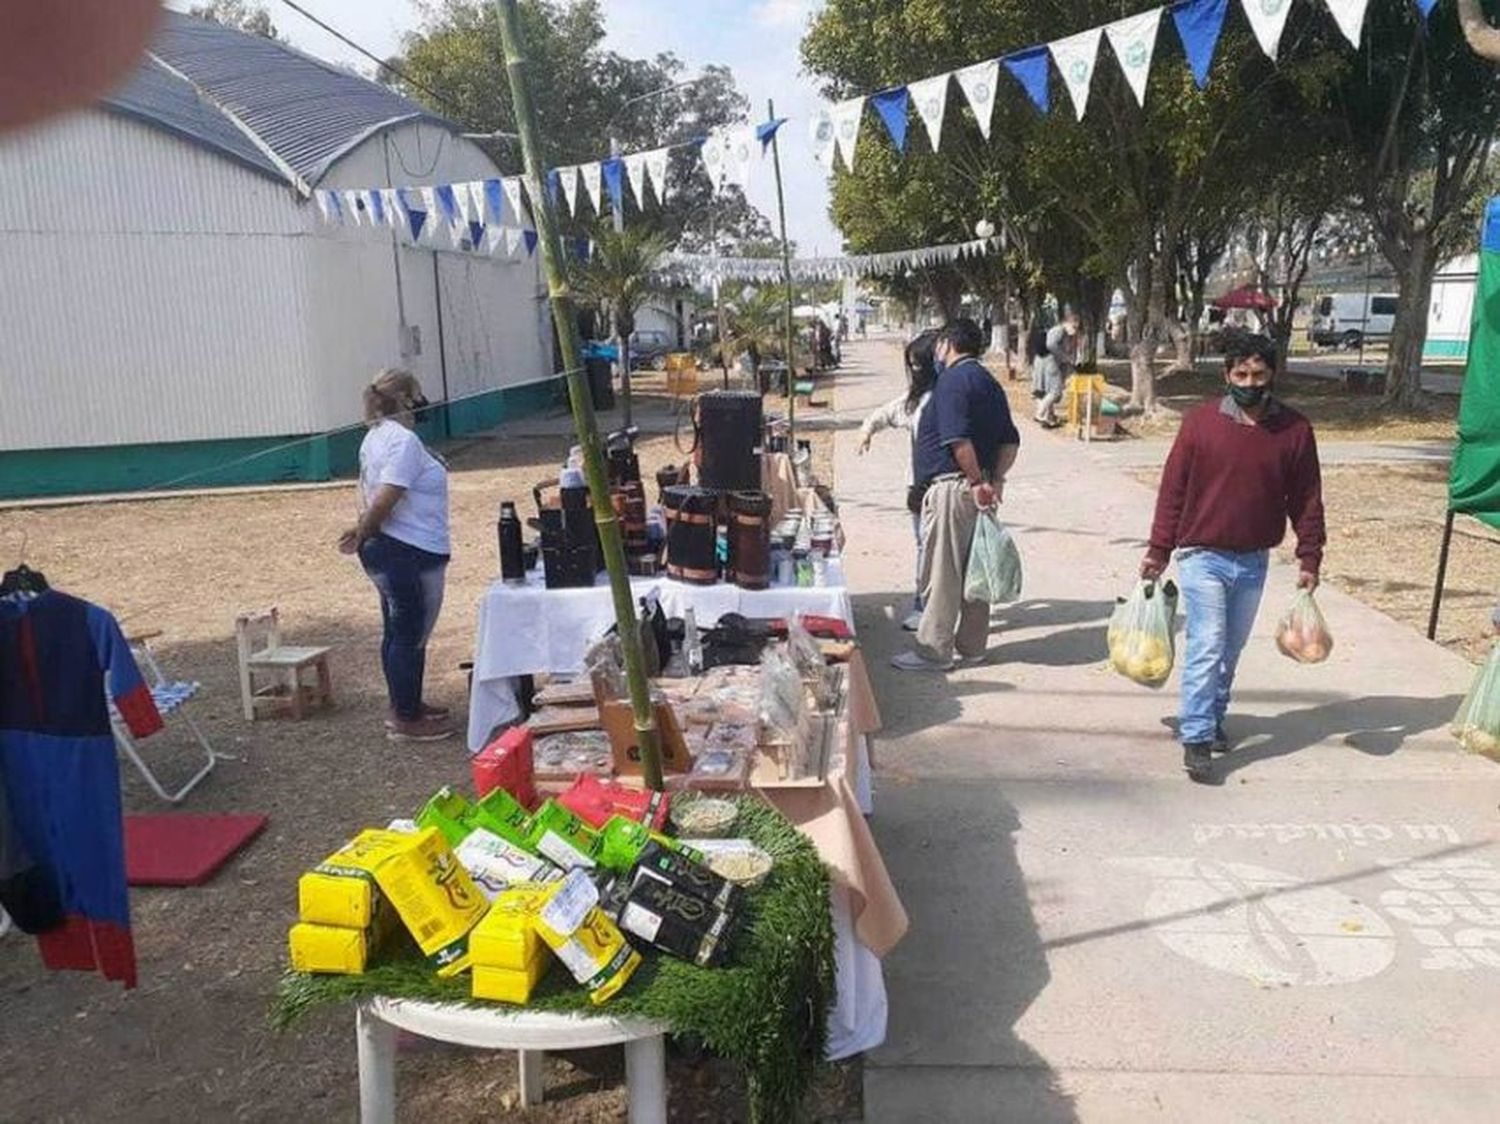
<point>1445,349</point>
<point>29,473</point>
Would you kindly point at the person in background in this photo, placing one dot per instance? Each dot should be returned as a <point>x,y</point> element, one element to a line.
<point>1054,365</point>
<point>843,323</point>
<point>1240,469</point>
<point>905,412</point>
<point>402,541</point>
<point>966,443</point>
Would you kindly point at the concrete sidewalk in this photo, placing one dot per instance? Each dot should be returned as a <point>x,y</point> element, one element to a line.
<point>1093,937</point>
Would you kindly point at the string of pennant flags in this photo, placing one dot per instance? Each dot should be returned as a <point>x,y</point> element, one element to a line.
<point>490,215</point>
<point>705,268</point>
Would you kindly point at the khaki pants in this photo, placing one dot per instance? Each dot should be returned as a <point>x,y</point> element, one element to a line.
<point>948,621</point>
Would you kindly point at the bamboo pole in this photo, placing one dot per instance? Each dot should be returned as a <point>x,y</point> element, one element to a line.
<point>578,395</point>
<point>786,276</point>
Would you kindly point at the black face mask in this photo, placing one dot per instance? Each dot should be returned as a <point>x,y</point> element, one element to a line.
<point>418,403</point>
<point>1248,397</point>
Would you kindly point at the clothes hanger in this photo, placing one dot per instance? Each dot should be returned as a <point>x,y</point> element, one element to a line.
<point>23,579</point>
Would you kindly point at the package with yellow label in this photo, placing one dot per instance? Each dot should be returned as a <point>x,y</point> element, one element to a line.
<point>584,938</point>
<point>341,889</point>
<point>328,949</point>
<point>507,937</point>
<point>506,985</point>
<point>434,897</point>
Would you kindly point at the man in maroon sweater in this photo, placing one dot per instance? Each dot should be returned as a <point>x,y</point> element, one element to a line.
<point>1241,468</point>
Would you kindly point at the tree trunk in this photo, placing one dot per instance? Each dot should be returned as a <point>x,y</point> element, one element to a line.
<point>1483,39</point>
<point>1148,326</point>
<point>1403,367</point>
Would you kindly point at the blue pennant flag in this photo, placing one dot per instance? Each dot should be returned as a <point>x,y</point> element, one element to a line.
<point>1030,69</point>
<point>494,195</point>
<point>377,208</point>
<point>530,236</point>
<point>554,186</point>
<point>476,234</point>
<point>1426,6</point>
<point>1199,24</point>
<point>414,218</point>
<point>891,105</point>
<point>581,247</point>
<point>614,181</point>
<point>765,132</point>
<point>447,203</point>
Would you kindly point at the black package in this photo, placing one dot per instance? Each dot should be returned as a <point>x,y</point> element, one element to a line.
<point>666,866</point>
<point>678,923</point>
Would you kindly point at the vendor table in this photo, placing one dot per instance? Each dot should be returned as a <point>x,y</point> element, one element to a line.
<point>526,629</point>
<point>506,1028</point>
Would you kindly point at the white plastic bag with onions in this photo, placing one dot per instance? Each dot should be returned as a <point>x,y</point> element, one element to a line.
<point>1303,634</point>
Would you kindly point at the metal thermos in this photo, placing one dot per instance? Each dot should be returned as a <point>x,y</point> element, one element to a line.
<point>512,557</point>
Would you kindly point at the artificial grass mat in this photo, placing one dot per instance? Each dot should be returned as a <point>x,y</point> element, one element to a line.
<point>767,1011</point>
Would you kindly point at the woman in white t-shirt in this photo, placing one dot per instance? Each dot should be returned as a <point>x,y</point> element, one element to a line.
<point>402,542</point>
<point>905,412</point>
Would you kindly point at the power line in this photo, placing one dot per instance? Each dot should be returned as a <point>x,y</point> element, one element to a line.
<point>384,64</point>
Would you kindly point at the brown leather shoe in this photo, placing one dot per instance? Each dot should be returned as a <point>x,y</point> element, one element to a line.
<point>419,730</point>
<point>427,712</point>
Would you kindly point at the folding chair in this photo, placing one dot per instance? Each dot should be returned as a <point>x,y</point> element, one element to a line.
<point>171,697</point>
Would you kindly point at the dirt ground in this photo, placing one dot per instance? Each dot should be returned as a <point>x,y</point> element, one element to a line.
<point>192,1041</point>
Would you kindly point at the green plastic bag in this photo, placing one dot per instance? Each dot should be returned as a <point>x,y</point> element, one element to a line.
<point>1477,723</point>
<point>1141,640</point>
<point>994,574</point>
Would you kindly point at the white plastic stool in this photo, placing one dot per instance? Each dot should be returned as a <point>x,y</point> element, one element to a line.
<point>531,1033</point>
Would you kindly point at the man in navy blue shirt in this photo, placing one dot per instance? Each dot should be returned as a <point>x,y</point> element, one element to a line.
<point>966,443</point>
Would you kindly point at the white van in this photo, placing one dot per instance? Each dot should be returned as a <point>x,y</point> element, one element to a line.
<point>1347,319</point>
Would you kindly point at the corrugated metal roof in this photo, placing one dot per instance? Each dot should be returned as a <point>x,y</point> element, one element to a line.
<point>308,112</point>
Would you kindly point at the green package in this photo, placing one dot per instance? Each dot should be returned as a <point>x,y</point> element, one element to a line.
<point>624,840</point>
<point>456,816</point>
<point>557,834</point>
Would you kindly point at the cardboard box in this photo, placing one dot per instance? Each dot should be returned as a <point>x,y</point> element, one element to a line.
<point>619,724</point>
<point>507,936</point>
<point>328,949</point>
<point>433,895</point>
<point>506,985</point>
<point>506,763</point>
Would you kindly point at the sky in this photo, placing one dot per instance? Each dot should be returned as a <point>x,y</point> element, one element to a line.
<point>757,39</point>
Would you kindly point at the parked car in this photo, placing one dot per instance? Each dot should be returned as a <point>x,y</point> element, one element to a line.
<point>1349,319</point>
<point>650,349</point>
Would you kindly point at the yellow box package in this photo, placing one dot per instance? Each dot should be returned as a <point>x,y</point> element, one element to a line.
<point>507,985</point>
<point>341,889</point>
<point>584,938</point>
<point>507,937</point>
<point>328,949</point>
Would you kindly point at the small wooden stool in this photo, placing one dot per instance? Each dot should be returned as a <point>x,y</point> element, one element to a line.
<point>282,665</point>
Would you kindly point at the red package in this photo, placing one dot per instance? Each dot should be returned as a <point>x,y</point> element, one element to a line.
<point>595,801</point>
<point>826,628</point>
<point>506,763</point>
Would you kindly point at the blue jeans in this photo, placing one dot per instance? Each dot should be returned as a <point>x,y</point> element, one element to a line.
<point>1221,594</point>
<point>410,583</point>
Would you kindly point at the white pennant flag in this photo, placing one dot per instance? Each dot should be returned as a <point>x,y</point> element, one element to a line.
<point>930,96</point>
<point>635,171</point>
<point>434,218</point>
<point>593,180</point>
<point>513,236</point>
<point>715,156</point>
<point>657,163</point>
<point>494,239</point>
<point>1133,41</point>
<point>847,116</point>
<point>512,186</point>
<point>354,208</point>
<point>326,205</point>
<point>569,177</point>
<point>395,213</point>
<point>463,197</point>
<point>1350,16</point>
<point>978,85</point>
<point>1075,57</point>
<point>824,138</point>
<point>1268,20</point>
<point>740,150</point>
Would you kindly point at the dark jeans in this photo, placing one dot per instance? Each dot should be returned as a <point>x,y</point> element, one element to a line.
<point>410,584</point>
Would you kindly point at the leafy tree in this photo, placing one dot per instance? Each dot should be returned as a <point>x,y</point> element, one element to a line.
<point>586,95</point>
<point>616,280</point>
<point>238,14</point>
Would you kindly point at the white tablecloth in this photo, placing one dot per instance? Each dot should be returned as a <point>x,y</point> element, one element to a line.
<point>527,629</point>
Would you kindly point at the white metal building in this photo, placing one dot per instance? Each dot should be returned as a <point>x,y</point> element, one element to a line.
<point>1451,312</point>
<point>170,300</point>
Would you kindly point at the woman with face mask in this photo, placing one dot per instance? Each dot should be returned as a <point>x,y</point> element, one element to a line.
<point>905,412</point>
<point>402,541</point>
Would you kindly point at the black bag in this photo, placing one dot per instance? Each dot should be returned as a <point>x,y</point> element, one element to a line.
<point>915,494</point>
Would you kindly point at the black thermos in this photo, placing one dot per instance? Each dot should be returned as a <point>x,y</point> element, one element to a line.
<point>512,560</point>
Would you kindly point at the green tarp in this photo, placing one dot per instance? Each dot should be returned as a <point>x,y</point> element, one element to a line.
<point>1475,485</point>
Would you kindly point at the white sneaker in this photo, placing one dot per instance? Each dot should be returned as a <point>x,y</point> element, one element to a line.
<point>913,621</point>
<point>915,661</point>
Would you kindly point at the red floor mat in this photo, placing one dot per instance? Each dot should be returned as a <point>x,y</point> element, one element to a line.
<point>179,850</point>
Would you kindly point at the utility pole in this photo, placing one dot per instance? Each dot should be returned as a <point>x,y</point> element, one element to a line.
<point>786,274</point>
<point>584,422</point>
<point>622,345</point>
